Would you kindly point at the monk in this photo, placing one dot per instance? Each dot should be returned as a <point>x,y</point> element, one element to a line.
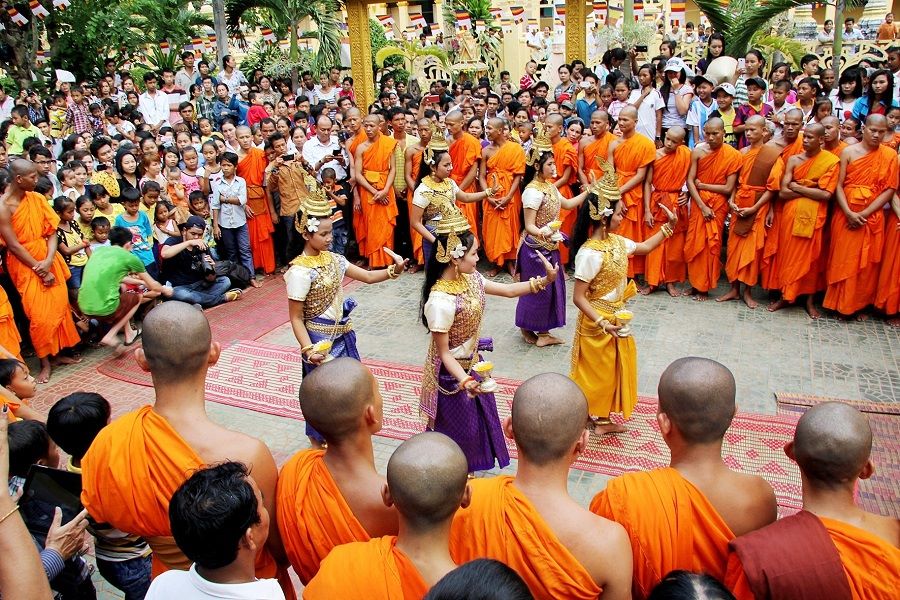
<point>10,340</point>
<point>711,180</point>
<point>832,548</point>
<point>353,125</point>
<point>566,157</point>
<point>759,182</point>
<point>665,185</point>
<point>402,232</point>
<point>504,166</point>
<point>791,144</point>
<point>867,181</point>
<point>138,461</point>
<point>684,515</point>
<point>631,156</point>
<point>427,483</point>
<point>261,214</point>
<point>28,228</point>
<point>597,145</point>
<point>465,153</point>
<point>529,522</point>
<point>326,498</point>
<point>807,187</point>
<point>887,300</point>
<point>833,142</point>
<point>412,158</point>
<point>376,163</point>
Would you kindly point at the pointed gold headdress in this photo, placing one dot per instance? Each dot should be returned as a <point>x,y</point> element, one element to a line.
<point>606,189</point>
<point>313,206</point>
<point>437,144</point>
<point>452,224</point>
<point>540,143</point>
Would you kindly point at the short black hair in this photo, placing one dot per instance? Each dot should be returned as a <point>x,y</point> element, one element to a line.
<point>130,195</point>
<point>8,368</point>
<point>480,578</point>
<point>75,420</point>
<point>98,222</point>
<point>20,110</point>
<point>149,76</point>
<point>684,585</point>
<point>229,157</point>
<point>29,442</point>
<point>119,236</point>
<point>98,143</point>
<point>210,513</point>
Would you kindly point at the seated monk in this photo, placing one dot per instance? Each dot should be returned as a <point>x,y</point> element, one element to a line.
<point>326,498</point>
<point>832,548</point>
<point>683,516</point>
<point>427,481</point>
<point>530,522</point>
<point>137,462</point>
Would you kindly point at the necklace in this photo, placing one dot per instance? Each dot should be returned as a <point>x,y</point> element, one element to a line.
<point>451,286</point>
<point>319,260</point>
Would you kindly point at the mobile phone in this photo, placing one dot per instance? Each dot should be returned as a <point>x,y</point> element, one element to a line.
<point>287,157</point>
<point>44,490</point>
<point>432,98</point>
<point>101,167</point>
<point>742,62</point>
<point>641,49</point>
<point>336,152</point>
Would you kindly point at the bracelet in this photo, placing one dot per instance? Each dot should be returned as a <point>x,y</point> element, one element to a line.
<point>392,272</point>
<point>538,284</point>
<point>7,515</point>
<point>462,384</point>
<point>667,230</point>
<point>306,349</point>
<point>602,323</point>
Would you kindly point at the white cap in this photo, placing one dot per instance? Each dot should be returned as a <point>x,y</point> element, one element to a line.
<point>725,87</point>
<point>677,64</point>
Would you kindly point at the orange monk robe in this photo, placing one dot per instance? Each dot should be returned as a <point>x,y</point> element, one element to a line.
<point>854,256</point>
<point>380,219</point>
<point>666,264</point>
<point>769,268</point>
<point>838,149</point>
<point>801,265</point>
<point>703,242</point>
<point>313,516</point>
<point>670,523</point>
<point>47,308</point>
<point>359,224</point>
<point>599,148</point>
<point>630,155</point>
<point>373,570</point>
<point>128,476</point>
<point>465,151</point>
<point>252,169</point>
<point>871,564</point>
<point>501,523</point>
<point>566,155</point>
<point>893,142</point>
<point>887,299</point>
<point>9,334</point>
<point>418,253</point>
<point>502,227</point>
<point>744,252</point>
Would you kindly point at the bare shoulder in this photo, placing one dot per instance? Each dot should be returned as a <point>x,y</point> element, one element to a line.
<point>755,504</point>
<point>700,150</point>
<point>660,152</point>
<point>227,444</point>
<point>606,546</point>
<point>887,528</point>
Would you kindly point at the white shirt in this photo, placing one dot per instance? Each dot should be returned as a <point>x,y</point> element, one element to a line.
<point>315,150</point>
<point>185,80</point>
<point>671,117</point>
<point>646,123</point>
<point>233,82</point>
<point>189,585</point>
<point>328,97</point>
<point>6,108</point>
<point>231,216</point>
<point>155,108</point>
<point>298,280</point>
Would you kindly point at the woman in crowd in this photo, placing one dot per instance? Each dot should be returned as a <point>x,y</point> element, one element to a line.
<point>676,94</point>
<point>714,48</point>
<point>878,99</point>
<point>566,88</point>
<point>848,91</point>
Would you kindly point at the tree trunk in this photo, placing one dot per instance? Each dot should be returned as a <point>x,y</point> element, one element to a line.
<point>294,57</point>
<point>20,54</point>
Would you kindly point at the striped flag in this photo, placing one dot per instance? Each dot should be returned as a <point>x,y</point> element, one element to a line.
<point>436,29</point>
<point>268,35</point>
<point>638,10</point>
<point>38,10</point>
<point>17,17</point>
<point>284,45</point>
<point>463,20</point>
<point>61,4</point>
<point>496,12</point>
<point>532,22</point>
<point>41,57</point>
<point>418,21</point>
<point>479,24</point>
<point>164,47</point>
<point>561,11</point>
<point>386,21</point>
<point>211,36</point>
<point>518,13</point>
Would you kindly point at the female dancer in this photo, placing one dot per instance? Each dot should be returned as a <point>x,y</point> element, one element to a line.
<point>452,309</point>
<point>319,313</point>
<point>604,359</point>
<point>536,315</point>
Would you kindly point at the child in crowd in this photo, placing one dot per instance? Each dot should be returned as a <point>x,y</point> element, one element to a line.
<point>74,248</point>
<point>337,199</point>
<point>85,209</point>
<point>752,107</point>
<point>780,105</point>
<point>206,130</point>
<point>150,195</point>
<point>824,107</point>
<point>100,230</point>
<point>192,171</point>
<point>229,216</point>
<point>622,91</point>
<point>123,559</point>
<point>68,179</point>
<point>724,99</point>
<point>19,387</point>
<point>100,196</point>
<point>139,225</point>
<point>164,226</point>
<point>607,94</point>
<point>212,171</point>
<point>154,173</point>
<point>527,81</point>
<point>175,191</point>
<point>199,206</point>
<point>256,112</point>
<point>525,131</point>
<point>57,115</point>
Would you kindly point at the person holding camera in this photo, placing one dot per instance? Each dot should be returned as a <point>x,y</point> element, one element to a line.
<point>189,268</point>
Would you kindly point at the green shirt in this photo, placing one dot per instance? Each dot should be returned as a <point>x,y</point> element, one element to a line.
<point>16,135</point>
<point>102,276</point>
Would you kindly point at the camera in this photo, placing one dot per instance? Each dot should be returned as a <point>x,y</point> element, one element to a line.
<point>200,265</point>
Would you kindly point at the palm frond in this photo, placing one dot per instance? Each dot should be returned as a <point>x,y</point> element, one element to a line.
<point>387,52</point>
<point>743,19</point>
<point>325,15</point>
<point>236,9</point>
<point>719,16</point>
<point>769,44</point>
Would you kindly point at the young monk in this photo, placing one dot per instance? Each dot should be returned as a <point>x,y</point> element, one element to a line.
<point>631,156</point>
<point>465,153</point>
<point>530,522</point>
<point>413,162</point>
<point>887,299</point>
<point>427,483</point>
<point>326,498</point>
<point>711,180</point>
<point>137,462</point>
<point>504,166</point>
<point>832,548</point>
<point>833,142</point>
<point>684,515</point>
<point>375,166</point>
<point>867,180</point>
<point>758,183</point>
<point>664,185</point>
<point>807,187</point>
<point>353,124</point>
<point>261,213</point>
<point>595,146</point>
<point>566,157</point>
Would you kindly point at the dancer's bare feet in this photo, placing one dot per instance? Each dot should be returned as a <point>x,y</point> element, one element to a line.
<point>733,294</point>
<point>811,309</point>
<point>778,305</point>
<point>529,336</point>
<point>545,339</point>
<point>673,291</point>
<point>747,296</point>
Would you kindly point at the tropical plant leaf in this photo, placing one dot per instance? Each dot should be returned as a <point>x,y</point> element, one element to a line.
<point>790,48</point>
<point>742,19</point>
<point>386,53</point>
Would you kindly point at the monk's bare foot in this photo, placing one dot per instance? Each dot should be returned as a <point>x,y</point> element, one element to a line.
<point>545,339</point>
<point>811,309</point>
<point>493,272</point>
<point>59,359</point>
<point>646,290</point>
<point>690,292</point>
<point>529,336</point>
<point>778,305</point>
<point>748,299</point>
<point>863,317</point>
<point>700,297</point>
<point>673,291</point>
<point>894,322</point>
<point>415,268</point>
<point>511,269</point>
<point>255,283</point>
<point>44,375</point>
<point>732,294</point>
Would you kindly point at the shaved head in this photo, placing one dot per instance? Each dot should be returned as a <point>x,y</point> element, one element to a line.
<point>794,113</point>
<point>676,133</point>
<point>600,114</point>
<point>426,479</point>
<point>815,129</point>
<point>832,444</point>
<point>497,123</point>
<point>629,111</point>
<point>453,115</point>
<point>243,129</point>
<point>714,124</point>
<point>876,121</point>
<point>20,167</point>
<point>335,395</point>
<point>177,341</point>
<point>830,120</point>
<point>697,394</point>
<point>756,121</point>
<point>555,119</point>
<point>373,118</point>
<point>549,415</point>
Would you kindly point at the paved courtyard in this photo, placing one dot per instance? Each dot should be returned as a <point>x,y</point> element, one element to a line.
<point>768,353</point>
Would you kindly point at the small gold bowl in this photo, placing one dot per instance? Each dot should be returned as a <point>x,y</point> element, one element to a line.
<point>322,347</point>
<point>624,317</point>
<point>482,367</point>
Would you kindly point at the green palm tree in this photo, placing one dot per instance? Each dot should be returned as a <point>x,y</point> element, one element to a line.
<point>477,9</point>
<point>284,15</point>
<point>172,20</point>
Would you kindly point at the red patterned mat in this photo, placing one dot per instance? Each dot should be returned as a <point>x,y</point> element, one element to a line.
<point>881,492</point>
<point>264,377</point>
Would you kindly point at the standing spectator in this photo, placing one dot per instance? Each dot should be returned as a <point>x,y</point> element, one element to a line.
<point>323,150</point>
<point>6,105</point>
<point>307,87</point>
<point>527,81</point>
<point>887,31</point>
<point>714,49</point>
<point>20,130</point>
<point>153,104</point>
<point>566,88</point>
<point>206,103</point>
<point>676,94</point>
<point>187,74</point>
<point>826,37</point>
<point>851,33</point>
<point>78,114</point>
<point>229,199</point>
<point>176,95</point>
<point>231,75</point>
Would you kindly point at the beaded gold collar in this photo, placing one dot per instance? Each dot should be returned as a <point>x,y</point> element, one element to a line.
<point>312,262</point>
<point>541,186</point>
<point>452,286</point>
<point>431,183</point>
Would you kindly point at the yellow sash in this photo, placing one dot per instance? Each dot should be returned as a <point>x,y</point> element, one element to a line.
<point>807,211</point>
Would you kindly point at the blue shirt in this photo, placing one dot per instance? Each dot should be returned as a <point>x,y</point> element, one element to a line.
<point>584,110</point>
<point>141,236</point>
<point>861,108</point>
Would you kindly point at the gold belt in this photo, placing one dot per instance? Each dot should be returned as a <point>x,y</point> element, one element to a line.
<point>607,306</point>
<point>330,330</point>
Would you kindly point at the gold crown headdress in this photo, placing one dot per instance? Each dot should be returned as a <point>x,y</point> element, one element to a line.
<point>437,144</point>
<point>606,189</point>
<point>452,224</point>
<point>313,206</point>
<point>540,143</point>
